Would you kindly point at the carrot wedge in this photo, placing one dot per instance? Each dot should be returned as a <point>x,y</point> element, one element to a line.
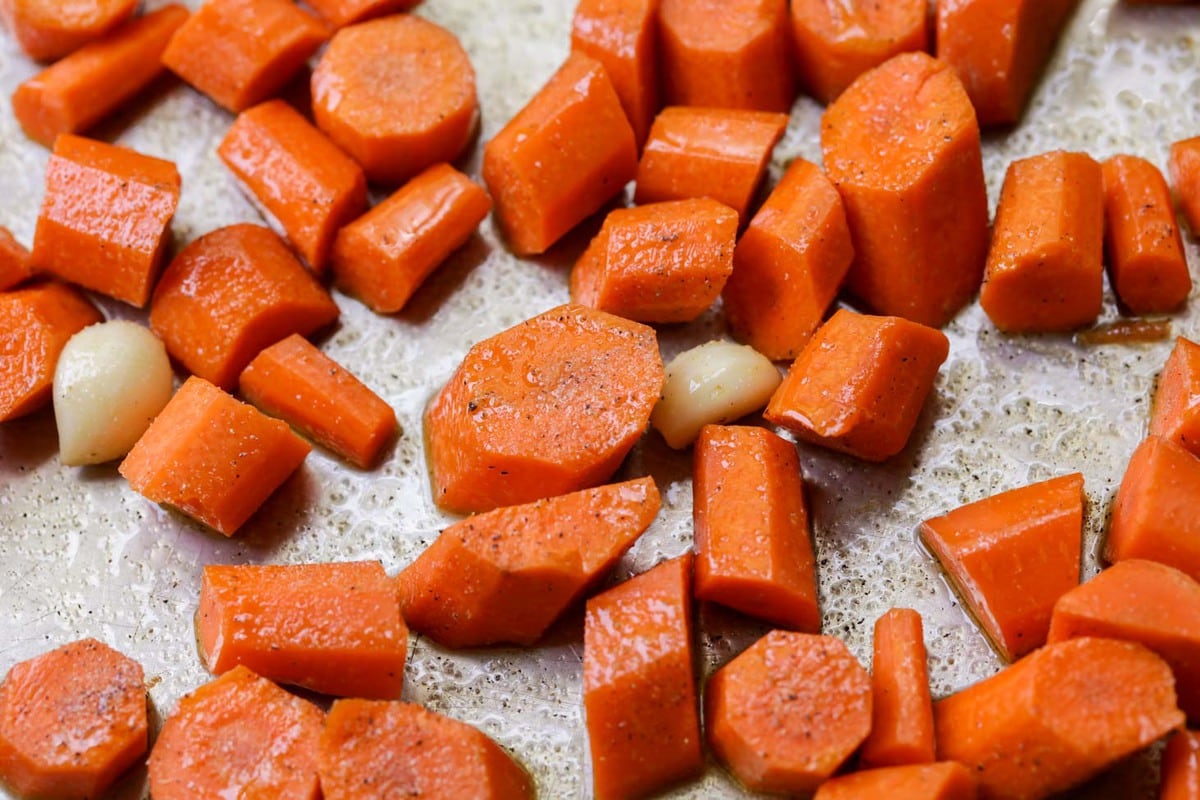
<point>945,780</point>
<point>14,261</point>
<point>902,718</point>
<point>1185,176</point>
<point>1181,767</point>
<point>1175,414</point>
<point>50,29</point>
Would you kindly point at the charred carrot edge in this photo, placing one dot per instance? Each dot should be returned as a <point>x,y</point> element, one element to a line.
<point>1181,767</point>
<point>1184,167</point>
<point>1176,411</point>
<point>14,261</point>
<point>340,13</point>
<point>902,721</point>
<point>945,780</point>
<point>47,30</point>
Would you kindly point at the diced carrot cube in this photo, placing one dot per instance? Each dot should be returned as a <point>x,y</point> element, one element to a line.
<point>1176,411</point>
<point>902,711</point>
<point>1185,176</point>
<point>1181,767</point>
<point>49,29</point>
<point>340,13</point>
<point>945,780</point>
<point>623,36</point>
<point>14,261</point>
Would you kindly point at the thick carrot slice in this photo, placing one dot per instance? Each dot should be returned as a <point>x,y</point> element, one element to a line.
<point>71,721</point>
<point>623,36</point>
<point>1056,718</point>
<point>564,155</point>
<point>231,293</point>
<point>14,261</point>
<point>1176,410</point>
<point>384,256</point>
<point>340,13</point>
<point>902,147</point>
<point>751,527</point>
<point>1011,556</point>
<point>946,780</point>
<point>789,264</point>
<point>35,324</point>
<point>94,81</point>
<point>213,458</point>
<point>1181,767</point>
<point>837,42</point>
<point>902,723</point>
<point>1185,176</point>
<point>238,736</point>
<point>1045,268</point>
<point>788,711</point>
<point>49,29</point>
<point>663,262</point>
<point>117,253</point>
<point>241,52</point>
<point>639,683</point>
<point>708,152</point>
<point>859,384</point>
<point>547,407</point>
<point>722,54</point>
<point>398,94</point>
<point>375,750</point>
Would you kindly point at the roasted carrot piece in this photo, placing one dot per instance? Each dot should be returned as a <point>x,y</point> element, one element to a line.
<point>787,712</point>
<point>377,750</point>
<point>789,264</point>
<point>241,52</point>
<point>238,736</point>
<point>1176,410</point>
<point>14,261</point>
<point>902,147</point>
<point>663,262</point>
<point>94,81</point>
<point>945,780</point>
<point>215,459</point>
<point>1011,556</point>
<point>398,94</point>
<point>859,384</point>
<point>639,683</point>
<point>837,42</point>
<point>231,293</point>
<point>71,721</point>
<point>384,256</point>
<point>1181,767</point>
<point>1185,176</point>
<point>49,29</point>
<point>340,13</point>
<point>623,36</point>
<point>549,406</point>
<point>902,721</point>
<point>1054,719</point>
<point>117,253</point>
<point>751,527</point>
<point>721,54</point>
<point>35,324</point>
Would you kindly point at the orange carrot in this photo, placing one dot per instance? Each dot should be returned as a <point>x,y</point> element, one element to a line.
<point>384,256</point>
<point>563,156</point>
<point>788,711</point>
<point>1181,767</point>
<point>241,52</point>
<point>71,721</point>
<point>1176,410</point>
<point>751,527</point>
<point>902,721</point>
<point>1046,263</point>
<point>945,780</point>
<point>1185,176</point>
<point>1054,719</point>
<point>623,36</point>
<point>859,384</point>
<point>117,253</point>
<point>238,736</point>
<point>721,54</point>
<point>663,262</point>
<point>397,94</point>
<point>902,147</point>
<point>549,406</point>
<point>789,264</point>
<point>231,293</point>
<point>35,324</point>
<point>49,29</point>
<point>374,750</point>
<point>639,683</point>
<point>14,261</point>
<point>1011,556</point>
<point>340,13</point>
<point>213,458</point>
<point>94,81</point>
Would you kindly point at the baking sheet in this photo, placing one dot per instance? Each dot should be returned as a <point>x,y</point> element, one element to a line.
<point>83,555</point>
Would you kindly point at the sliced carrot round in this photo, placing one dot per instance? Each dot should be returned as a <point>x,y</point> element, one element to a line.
<point>49,29</point>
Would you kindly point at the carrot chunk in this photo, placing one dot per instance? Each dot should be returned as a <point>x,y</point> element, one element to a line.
<point>722,54</point>
<point>71,721</point>
<point>241,52</point>
<point>788,711</point>
<point>508,574</point>
<point>751,527</point>
<point>238,736</point>
<point>789,264</point>
<point>1011,556</point>
<point>564,155</point>
<point>49,29</point>
<point>902,147</point>
<point>397,94</point>
<point>375,750</point>
<point>623,36</point>
<point>639,686</point>
<point>14,261</point>
<point>1185,176</point>
<point>35,324</point>
<point>1176,410</point>
<point>945,780</point>
<point>118,252</point>
<point>902,721</point>
<point>859,384</point>
<point>384,256</point>
<point>231,293</point>
<point>340,13</point>
<point>298,176</point>
<point>663,262</point>
<point>1045,268</point>
<point>549,406</point>
<point>1058,717</point>
<point>213,458</point>
<point>1181,767</point>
